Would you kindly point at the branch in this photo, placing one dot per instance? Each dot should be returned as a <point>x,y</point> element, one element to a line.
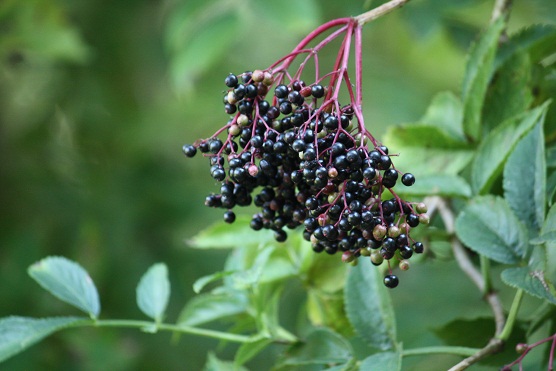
<point>371,15</point>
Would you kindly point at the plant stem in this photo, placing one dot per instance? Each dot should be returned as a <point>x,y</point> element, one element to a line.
<point>174,328</point>
<point>485,272</point>
<point>494,346</point>
<point>459,351</point>
<point>501,9</point>
<point>507,330</point>
<point>377,12</point>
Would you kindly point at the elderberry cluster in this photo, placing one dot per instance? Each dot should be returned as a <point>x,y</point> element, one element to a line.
<point>296,154</point>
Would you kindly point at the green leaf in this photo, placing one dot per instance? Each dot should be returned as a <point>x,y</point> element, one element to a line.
<point>551,156</point>
<point>369,306</point>
<point>249,350</point>
<point>488,226</point>
<point>68,281</point>
<point>215,364</point>
<point>200,283</point>
<point>153,291</point>
<point>538,41</point>
<point>223,235</point>
<point>499,143</point>
<point>279,12</point>
<point>385,361</point>
<point>548,229</point>
<point>200,39</point>
<point>19,333</point>
<point>322,346</point>
<point>510,91</point>
<point>544,238</point>
<point>446,113</point>
<point>478,71</point>
<point>439,184</point>
<point>525,179</point>
<point>324,309</point>
<point>424,135</point>
<point>326,274</point>
<point>532,282</point>
<point>209,307</point>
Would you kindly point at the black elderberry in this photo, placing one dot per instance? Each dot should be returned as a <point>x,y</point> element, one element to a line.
<point>384,162</point>
<point>389,244</point>
<point>231,81</point>
<point>388,206</point>
<point>406,252</point>
<point>391,281</point>
<point>295,97</point>
<point>369,173</point>
<point>285,108</point>
<point>281,91</point>
<point>204,147</point>
<point>408,179</point>
<point>418,247</point>
<point>412,220</point>
<point>317,91</point>
<point>297,85</point>
<point>229,217</point>
<point>280,235</point>
<point>250,91</point>
<point>189,150</point>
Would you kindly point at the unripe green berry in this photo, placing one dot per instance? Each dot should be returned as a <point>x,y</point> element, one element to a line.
<point>379,232</point>
<point>243,120</point>
<point>365,252</point>
<point>404,265</point>
<point>421,208</point>
<point>268,79</point>
<point>347,257</point>
<point>376,258</point>
<point>424,219</point>
<point>257,76</point>
<point>232,99</point>
<point>234,130</point>
<point>393,231</point>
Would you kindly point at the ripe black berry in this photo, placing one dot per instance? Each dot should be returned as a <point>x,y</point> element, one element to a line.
<point>189,150</point>
<point>229,217</point>
<point>231,81</point>
<point>408,179</point>
<point>317,91</point>
<point>391,281</point>
<point>412,220</point>
<point>418,247</point>
<point>281,91</point>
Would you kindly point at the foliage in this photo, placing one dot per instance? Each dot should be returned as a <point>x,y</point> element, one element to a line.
<point>487,157</point>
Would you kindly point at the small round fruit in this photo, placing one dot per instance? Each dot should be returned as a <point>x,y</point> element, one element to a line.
<point>408,179</point>
<point>391,281</point>
<point>418,247</point>
<point>189,150</point>
<point>229,217</point>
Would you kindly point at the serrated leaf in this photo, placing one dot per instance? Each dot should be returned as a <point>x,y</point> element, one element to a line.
<point>496,147</point>
<point>538,41</point>
<point>369,306</point>
<point>209,307</point>
<point>488,226</point>
<point>19,333</point>
<point>510,91</point>
<point>200,283</point>
<point>446,112</point>
<point>424,135</point>
<point>548,229</point>
<point>544,238</point>
<point>478,71</point>
<point>439,184</point>
<point>532,282</point>
<point>153,291</point>
<point>328,310</point>
<point>321,346</point>
<point>525,179</point>
<point>68,281</point>
<point>223,235</point>
<point>249,350</point>
<point>385,361</point>
<point>326,274</point>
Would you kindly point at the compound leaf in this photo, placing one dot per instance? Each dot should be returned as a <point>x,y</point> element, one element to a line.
<point>496,147</point>
<point>537,40</point>
<point>369,306</point>
<point>68,281</point>
<point>488,226</point>
<point>321,346</point>
<point>478,72</point>
<point>19,333</point>
<point>525,179</point>
<point>153,291</point>
<point>249,350</point>
<point>532,282</point>
<point>385,361</point>
<point>209,307</point>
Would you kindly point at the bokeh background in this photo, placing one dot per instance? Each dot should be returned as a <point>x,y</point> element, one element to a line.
<point>97,98</point>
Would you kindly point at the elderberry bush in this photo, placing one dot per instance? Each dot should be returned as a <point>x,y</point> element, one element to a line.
<point>303,162</point>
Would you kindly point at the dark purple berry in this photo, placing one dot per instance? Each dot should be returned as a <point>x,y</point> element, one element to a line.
<point>231,81</point>
<point>408,179</point>
<point>229,217</point>
<point>189,150</point>
<point>391,281</point>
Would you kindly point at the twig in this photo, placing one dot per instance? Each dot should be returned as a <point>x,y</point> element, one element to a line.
<point>501,9</point>
<point>493,346</point>
<point>379,11</point>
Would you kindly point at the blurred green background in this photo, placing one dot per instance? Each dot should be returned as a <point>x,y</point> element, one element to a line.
<point>96,99</point>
